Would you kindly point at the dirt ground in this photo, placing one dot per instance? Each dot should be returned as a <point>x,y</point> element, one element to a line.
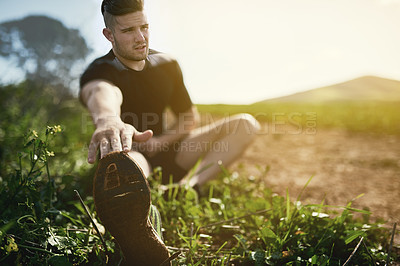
<point>344,165</point>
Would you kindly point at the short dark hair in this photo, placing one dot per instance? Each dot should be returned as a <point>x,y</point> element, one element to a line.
<point>111,8</point>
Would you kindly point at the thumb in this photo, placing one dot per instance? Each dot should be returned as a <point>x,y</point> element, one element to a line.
<point>142,136</point>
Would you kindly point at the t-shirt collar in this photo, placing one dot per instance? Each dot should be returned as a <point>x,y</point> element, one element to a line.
<point>120,66</point>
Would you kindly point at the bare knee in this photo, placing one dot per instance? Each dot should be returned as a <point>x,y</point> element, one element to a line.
<point>247,124</point>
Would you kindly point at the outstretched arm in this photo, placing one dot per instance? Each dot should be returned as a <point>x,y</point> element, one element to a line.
<point>103,101</point>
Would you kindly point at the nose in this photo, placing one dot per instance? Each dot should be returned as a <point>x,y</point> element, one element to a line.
<point>140,36</point>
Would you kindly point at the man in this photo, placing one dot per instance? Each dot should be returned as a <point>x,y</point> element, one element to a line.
<point>127,91</point>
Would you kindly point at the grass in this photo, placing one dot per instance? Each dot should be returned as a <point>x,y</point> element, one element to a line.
<point>252,226</point>
<point>237,219</point>
<point>367,117</point>
<point>229,222</point>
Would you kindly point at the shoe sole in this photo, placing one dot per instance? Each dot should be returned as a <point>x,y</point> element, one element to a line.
<point>122,200</point>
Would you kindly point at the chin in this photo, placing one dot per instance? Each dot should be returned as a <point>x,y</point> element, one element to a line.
<point>141,56</point>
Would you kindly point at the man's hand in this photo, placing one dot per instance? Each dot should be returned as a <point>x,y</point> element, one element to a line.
<point>112,134</point>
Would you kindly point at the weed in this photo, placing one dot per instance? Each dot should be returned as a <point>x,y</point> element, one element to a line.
<point>229,223</point>
<point>251,225</point>
<point>236,219</point>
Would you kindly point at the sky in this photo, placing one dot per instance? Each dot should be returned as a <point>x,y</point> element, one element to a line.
<point>241,52</point>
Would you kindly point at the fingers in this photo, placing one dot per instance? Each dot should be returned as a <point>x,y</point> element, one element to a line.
<point>130,134</point>
<point>104,140</point>
<point>143,136</point>
<point>104,147</point>
<point>92,151</point>
<point>126,139</point>
<point>116,143</point>
<point>108,140</point>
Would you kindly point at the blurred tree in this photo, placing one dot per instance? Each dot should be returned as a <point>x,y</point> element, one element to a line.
<point>52,57</point>
<point>49,53</point>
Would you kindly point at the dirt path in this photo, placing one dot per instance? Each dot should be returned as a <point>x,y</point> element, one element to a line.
<point>344,166</point>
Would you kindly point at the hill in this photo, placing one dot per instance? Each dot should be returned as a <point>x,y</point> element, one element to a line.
<point>367,88</point>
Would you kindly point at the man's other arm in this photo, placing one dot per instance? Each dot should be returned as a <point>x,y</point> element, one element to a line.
<point>185,122</point>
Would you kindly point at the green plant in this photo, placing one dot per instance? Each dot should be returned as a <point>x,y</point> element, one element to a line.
<point>229,221</point>
<point>35,227</point>
<point>236,219</point>
<point>249,225</point>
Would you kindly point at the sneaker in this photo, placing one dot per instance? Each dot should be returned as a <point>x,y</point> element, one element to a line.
<point>122,199</point>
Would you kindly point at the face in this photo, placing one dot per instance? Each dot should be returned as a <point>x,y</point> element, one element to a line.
<point>129,36</point>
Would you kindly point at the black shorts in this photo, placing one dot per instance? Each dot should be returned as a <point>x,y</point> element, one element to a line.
<point>166,159</point>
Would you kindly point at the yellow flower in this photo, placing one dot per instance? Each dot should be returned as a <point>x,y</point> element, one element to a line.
<point>287,253</point>
<point>49,153</point>
<point>35,134</point>
<point>11,245</point>
<point>53,129</point>
<point>57,128</point>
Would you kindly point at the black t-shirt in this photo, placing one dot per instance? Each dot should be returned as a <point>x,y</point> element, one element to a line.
<point>146,93</point>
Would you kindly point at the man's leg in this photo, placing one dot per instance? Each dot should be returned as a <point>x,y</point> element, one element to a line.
<point>222,141</point>
<point>123,204</point>
<point>142,162</point>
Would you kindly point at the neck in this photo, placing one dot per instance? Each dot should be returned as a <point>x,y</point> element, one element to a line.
<point>135,65</point>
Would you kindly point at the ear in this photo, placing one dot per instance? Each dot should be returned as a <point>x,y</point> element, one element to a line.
<point>108,34</point>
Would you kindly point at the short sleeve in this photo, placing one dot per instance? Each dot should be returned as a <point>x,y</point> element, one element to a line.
<point>98,71</point>
<point>180,99</point>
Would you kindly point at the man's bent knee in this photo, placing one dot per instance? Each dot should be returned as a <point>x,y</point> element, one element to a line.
<point>248,123</point>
